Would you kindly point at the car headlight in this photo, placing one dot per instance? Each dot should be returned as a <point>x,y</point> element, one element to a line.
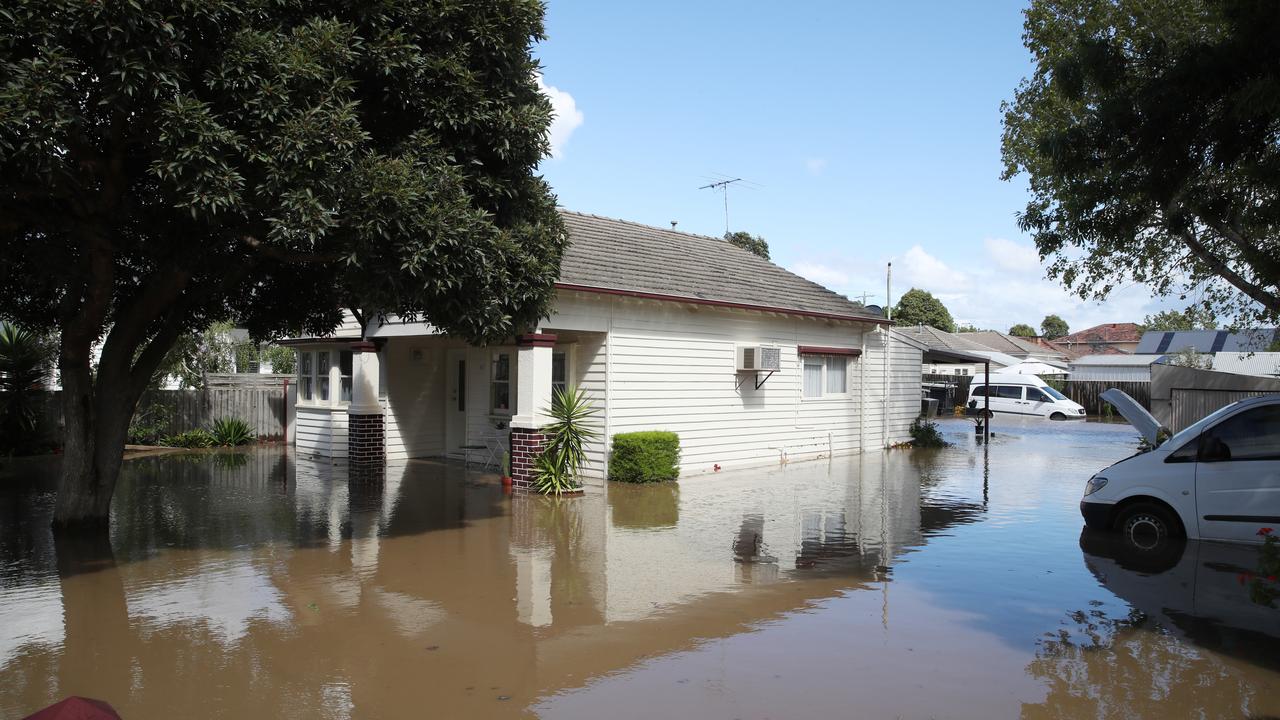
<point>1095,484</point>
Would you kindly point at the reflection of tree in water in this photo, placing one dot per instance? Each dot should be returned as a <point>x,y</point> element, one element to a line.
<point>559,524</point>
<point>644,507</point>
<point>1102,667</point>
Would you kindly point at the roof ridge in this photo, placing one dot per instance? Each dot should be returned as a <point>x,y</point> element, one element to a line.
<point>672,231</point>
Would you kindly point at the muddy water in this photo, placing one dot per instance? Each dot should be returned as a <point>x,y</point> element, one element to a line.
<point>953,583</point>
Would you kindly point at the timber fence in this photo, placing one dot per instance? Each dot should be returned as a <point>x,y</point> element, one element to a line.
<point>261,400</point>
<point>1086,393</point>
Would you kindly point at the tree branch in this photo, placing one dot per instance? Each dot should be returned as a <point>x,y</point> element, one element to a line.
<point>1269,300</point>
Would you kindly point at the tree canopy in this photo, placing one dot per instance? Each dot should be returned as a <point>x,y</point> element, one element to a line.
<point>1022,330</point>
<point>1053,327</point>
<point>749,242</point>
<point>920,307</point>
<point>1150,135</point>
<point>1193,318</point>
<point>168,163</point>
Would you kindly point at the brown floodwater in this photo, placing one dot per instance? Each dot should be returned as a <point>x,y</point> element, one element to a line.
<point>913,584</point>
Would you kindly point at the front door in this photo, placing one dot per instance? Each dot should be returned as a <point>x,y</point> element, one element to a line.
<point>455,412</point>
<point>1238,476</point>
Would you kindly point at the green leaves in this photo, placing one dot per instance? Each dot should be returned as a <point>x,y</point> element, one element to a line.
<point>1150,136</point>
<point>920,307</point>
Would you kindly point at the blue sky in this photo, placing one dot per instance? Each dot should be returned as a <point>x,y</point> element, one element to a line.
<point>871,133</point>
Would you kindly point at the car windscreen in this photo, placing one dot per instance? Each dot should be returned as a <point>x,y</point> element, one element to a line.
<point>1053,393</point>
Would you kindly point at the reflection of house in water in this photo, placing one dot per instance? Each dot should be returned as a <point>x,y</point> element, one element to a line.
<point>351,591</point>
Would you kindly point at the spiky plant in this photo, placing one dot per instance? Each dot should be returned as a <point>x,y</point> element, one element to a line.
<point>557,467</point>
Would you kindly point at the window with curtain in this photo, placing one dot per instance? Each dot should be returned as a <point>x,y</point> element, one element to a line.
<point>322,374</point>
<point>345,362</point>
<point>559,372</point>
<point>824,376</point>
<point>500,383</point>
<point>306,374</point>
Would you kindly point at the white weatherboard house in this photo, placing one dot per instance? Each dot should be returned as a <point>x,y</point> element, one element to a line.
<point>750,364</point>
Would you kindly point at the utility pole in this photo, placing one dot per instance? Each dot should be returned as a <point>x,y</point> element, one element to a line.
<point>723,186</point>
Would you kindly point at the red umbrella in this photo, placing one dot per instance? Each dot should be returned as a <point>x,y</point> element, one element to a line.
<point>76,708</point>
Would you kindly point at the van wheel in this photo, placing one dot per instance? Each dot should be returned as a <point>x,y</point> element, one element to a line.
<point>1148,525</point>
<point>1057,416</point>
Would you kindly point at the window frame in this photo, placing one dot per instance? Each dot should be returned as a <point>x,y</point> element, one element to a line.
<point>510,382</point>
<point>823,384</point>
<point>332,381</point>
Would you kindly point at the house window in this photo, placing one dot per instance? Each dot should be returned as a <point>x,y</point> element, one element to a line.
<point>306,378</point>
<point>500,383</point>
<point>824,376</point>
<point>344,371</point>
<point>559,372</point>
<point>322,375</point>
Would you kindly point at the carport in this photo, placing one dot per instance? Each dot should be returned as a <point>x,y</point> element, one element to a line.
<point>956,356</point>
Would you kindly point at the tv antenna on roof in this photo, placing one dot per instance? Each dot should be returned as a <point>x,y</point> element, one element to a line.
<point>723,186</point>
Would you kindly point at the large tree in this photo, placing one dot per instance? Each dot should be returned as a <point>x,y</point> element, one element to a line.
<point>167,163</point>
<point>1054,327</point>
<point>920,307</point>
<point>1022,330</point>
<point>1193,318</point>
<point>1150,134</point>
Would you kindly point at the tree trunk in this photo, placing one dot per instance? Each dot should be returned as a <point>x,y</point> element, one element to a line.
<point>96,425</point>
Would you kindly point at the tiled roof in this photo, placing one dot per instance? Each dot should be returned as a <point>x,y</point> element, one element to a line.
<point>936,339</point>
<point>617,255</point>
<point>1105,333</point>
<point>1012,345</point>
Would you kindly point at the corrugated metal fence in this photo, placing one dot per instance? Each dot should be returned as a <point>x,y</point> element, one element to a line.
<point>1189,405</point>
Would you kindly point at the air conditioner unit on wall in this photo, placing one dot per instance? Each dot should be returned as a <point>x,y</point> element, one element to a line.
<point>753,358</point>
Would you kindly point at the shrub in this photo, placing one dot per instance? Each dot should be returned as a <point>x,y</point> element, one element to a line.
<point>147,424</point>
<point>556,468</point>
<point>924,434</point>
<point>198,438</point>
<point>25,360</point>
<point>648,456</point>
<point>231,431</point>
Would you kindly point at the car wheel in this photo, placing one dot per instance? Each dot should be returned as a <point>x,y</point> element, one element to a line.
<point>1057,416</point>
<point>1148,525</point>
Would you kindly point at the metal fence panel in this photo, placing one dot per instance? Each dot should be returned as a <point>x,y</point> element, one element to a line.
<point>1190,405</point>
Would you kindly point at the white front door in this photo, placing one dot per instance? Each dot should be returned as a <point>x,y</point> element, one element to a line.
<point>455,412</point>
<point>1238,476</point>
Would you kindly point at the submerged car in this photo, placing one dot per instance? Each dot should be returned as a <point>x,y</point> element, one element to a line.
<point>1018,394</point>
<point>1219,479</point>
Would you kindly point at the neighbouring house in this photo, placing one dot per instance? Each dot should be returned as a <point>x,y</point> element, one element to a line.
<point>1104,339</point>
<point>663,330</point>
<point>1161,342</point>
<point>1022,348</point>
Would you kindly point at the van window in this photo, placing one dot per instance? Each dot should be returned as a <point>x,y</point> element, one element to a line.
<point>979,391</point>
<point>1251,435</point>
<point>1009,392</point>
<point>1054,393</point>
<point>1034,395</point>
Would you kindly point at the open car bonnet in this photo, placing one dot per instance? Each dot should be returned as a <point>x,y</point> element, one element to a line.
<point>1138,417</point>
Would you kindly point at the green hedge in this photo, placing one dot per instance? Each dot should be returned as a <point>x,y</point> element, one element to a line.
<point>642,457</point>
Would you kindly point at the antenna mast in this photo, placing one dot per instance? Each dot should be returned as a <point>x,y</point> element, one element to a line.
<point>723,186</point>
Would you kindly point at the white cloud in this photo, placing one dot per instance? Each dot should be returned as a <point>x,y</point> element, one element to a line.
<point>566,117</point>
<point>920,269</point>
<point>821,274</point>
<point>815,166</point>
<point>1013,256</point>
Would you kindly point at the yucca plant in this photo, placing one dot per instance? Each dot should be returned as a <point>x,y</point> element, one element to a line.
<point>556,469</point>
<point>231,431</point>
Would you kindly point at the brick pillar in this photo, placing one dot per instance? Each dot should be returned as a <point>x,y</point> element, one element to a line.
<point>525,446</point>
<point>366,444</point>
<point>366,429</point>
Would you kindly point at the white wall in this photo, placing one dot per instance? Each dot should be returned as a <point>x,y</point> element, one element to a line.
<point>321,432</point>
<point>671,367</point>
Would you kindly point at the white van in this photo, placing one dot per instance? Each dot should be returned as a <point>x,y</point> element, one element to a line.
<point>1217,480</point>
<point>1017,394</point>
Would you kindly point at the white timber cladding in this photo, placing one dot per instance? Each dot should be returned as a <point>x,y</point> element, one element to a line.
<point>655,365</point>
<point>673,369</point>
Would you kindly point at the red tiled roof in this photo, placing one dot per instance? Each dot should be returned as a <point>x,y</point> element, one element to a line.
<point>1105,333</point>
